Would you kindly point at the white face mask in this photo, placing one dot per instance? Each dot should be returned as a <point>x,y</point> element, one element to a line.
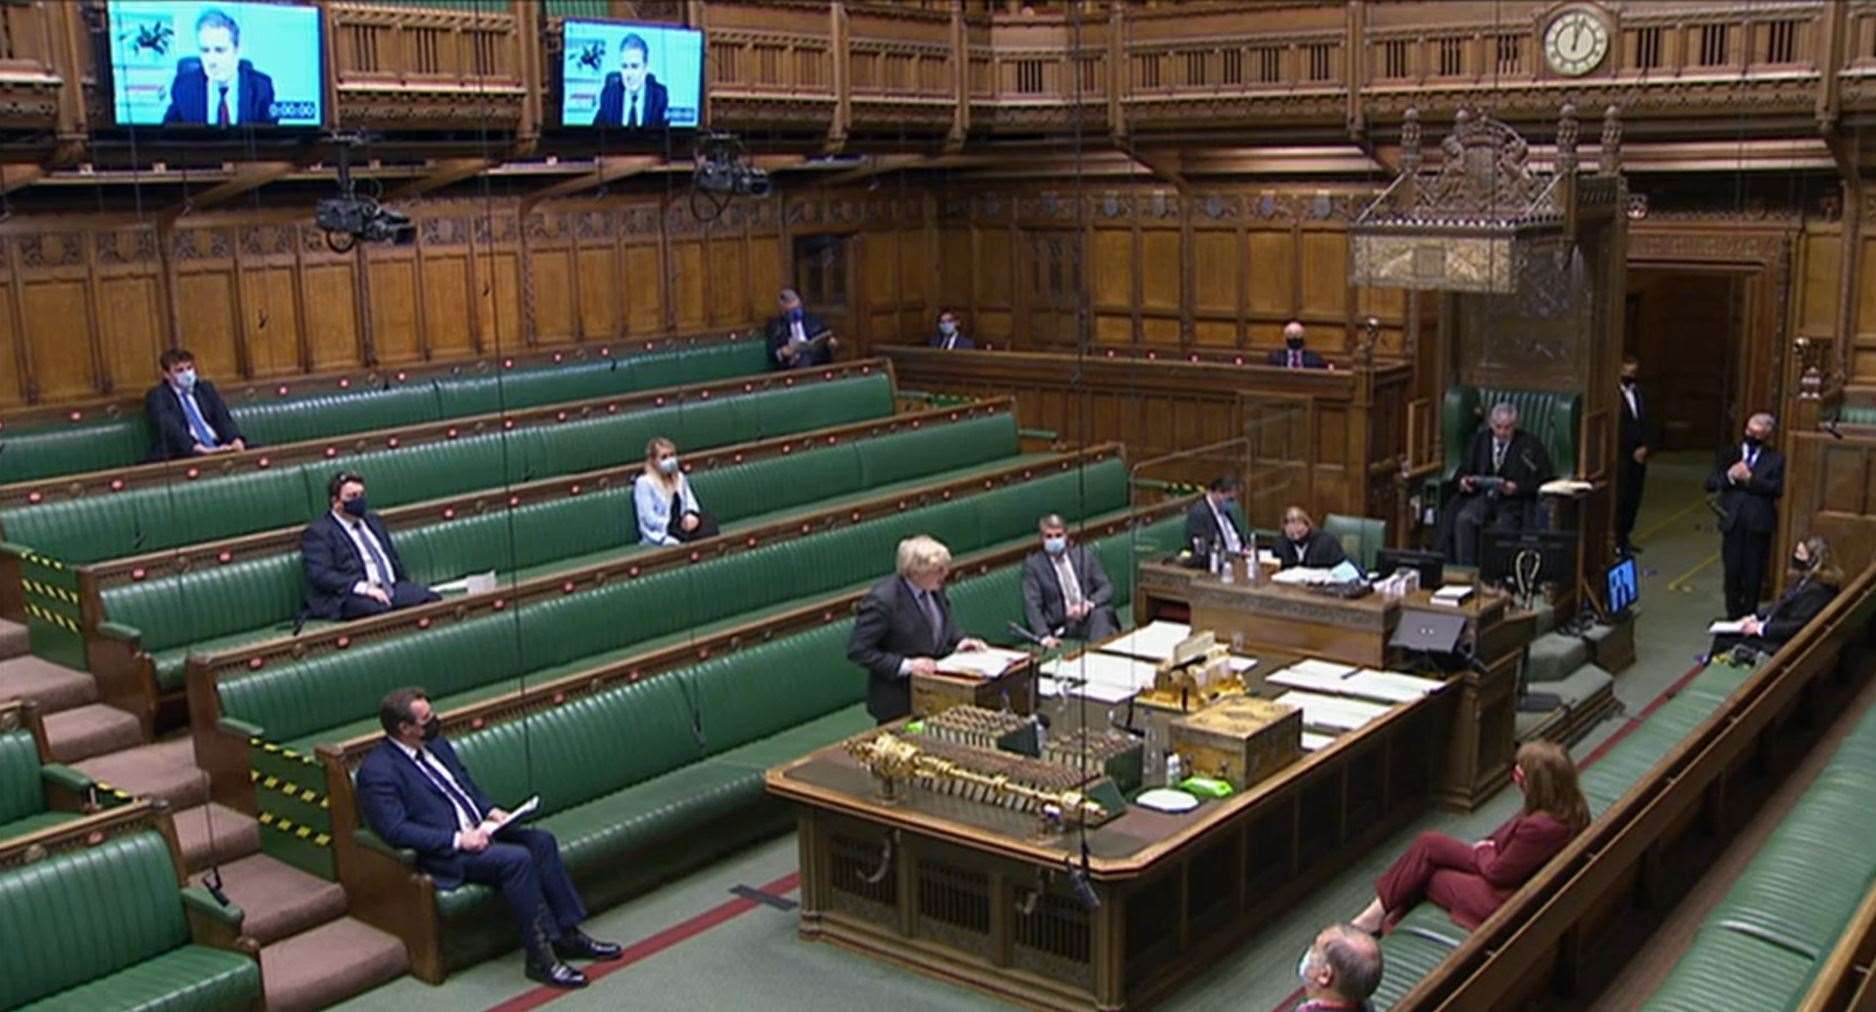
<point>1055,546</point>
<point>668,465</point>
<point>1302,966</point>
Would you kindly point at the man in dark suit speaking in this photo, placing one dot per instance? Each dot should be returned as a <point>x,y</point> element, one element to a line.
<point>218,87</point>
<point>415,793</point>
<point>352,571</point>
<point>1066,593</point>
<point>632,97</point>
<point>1748,477</point>
<point>904,626</point>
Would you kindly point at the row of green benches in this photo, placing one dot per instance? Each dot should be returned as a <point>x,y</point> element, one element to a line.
<point>122,438</point>
<point>213,608</point>
<point>1763,944</point>
<point>259,728</point>
<point>689,787</point>
<point>1426,936</point>
<point>181,513</point>
<point>94,914</point>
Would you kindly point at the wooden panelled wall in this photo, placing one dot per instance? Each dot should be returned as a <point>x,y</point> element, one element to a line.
<point>86,305</point>
<point>1213,268</point>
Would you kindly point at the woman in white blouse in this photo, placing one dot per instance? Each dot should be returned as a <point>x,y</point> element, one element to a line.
<point>668,513</point>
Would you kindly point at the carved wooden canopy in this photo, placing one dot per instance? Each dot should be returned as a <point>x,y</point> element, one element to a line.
<point>1470,224</point>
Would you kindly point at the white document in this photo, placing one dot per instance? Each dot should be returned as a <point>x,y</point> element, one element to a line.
<point>1564,486</point>
<point>1409,686</point>
<point>1313,742</point>
<point>1453,594</point>
<point>1154,641</point>
<point>1303,576</point>
<point>1104,669</point>
<point>1723,628</point>
<point>1328,669</point>
<point>1330,713</point>
<point>474,583</point>
<point>1239,665</point>
<point>526,809</point>
<point>989,662</point>
<point>1268,558</point>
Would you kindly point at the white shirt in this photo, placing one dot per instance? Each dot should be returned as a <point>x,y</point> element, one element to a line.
<point>796,334</point>
<point>189,396</point>
<point>360,533</point>
<point>1498,455</point>
<point>1071,586</point>
<point>1227,531</point>
<point>213,112</point>
<point>1747,456</point>
<point>428,762</point>
<point>1628,394</point>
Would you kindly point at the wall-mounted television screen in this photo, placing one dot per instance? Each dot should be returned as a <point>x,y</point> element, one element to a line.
<point>216,64</point>
<point>631,76</point>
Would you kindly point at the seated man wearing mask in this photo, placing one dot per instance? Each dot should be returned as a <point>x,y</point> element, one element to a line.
<point>1813,581</point>
<point>352,570</point>
<point>949,337</point>
<point>1303,545</point>
<point>1339,970</point>
<point>1498,481</point>
<point>415,793</point>
<point>1066,593</point>
<point>1293,355</point>
<point>797,338</point>
<point>187,416</point>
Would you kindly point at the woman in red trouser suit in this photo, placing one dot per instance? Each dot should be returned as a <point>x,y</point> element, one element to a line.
<point>1470,881</point>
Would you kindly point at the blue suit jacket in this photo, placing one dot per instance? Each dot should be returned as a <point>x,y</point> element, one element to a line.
<point>188,95</point>
<point>403,807</point>
<point>332,563</point>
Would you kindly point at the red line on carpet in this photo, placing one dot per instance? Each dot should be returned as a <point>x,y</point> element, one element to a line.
<point>650,946</point>
<point>1598,752</point>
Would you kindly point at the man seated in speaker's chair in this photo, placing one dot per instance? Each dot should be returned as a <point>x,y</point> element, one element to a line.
<point>1498,481</point>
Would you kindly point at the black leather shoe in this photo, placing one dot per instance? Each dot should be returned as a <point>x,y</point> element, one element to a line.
<point>555,974</point>
<point>575,944</point>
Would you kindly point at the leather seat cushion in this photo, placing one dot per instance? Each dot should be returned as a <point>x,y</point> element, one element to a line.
<point>185,979</point>
<point>1727,970</point>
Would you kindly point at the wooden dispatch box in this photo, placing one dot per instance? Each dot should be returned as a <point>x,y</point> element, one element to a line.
<point>1240,740</point>
<point>938,692</point>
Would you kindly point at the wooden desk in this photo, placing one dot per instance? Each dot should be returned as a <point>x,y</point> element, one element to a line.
<point>972,894</point>
<point>1270,616</point>
<point>937,692</point>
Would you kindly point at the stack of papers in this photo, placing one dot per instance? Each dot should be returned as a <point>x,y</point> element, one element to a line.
<point>989,662</point>
<point>1302,576</point>
<point>474,583</point>
<point>1724,628</point>
<point>1331,713</point>
<point>1377,686</point>
<point>1453,594</point>
<point>1154,641</point>
<point>1101,677</point>
<point>1313,742</point>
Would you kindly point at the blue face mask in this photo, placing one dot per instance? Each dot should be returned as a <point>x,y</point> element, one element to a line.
<point>185,379</point>
<point>795,314</point>
<point>354,507</point>
<point>1055,546</point>
<point>947,327</point>
<point>1302,966</point>
<point>668,465</point>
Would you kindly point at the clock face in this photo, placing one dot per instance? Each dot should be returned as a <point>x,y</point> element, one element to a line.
<point>1575,43</point>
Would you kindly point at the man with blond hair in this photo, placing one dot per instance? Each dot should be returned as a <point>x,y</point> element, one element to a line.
<point>903,626</point>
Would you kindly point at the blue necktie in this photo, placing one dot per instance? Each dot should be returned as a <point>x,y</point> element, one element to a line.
<point>442,783</point>
<point>197,427</point>
<point>377,557</point>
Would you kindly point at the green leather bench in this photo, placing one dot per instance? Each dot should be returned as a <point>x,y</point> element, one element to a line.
<point>30,788</point>
<point>217,608</point>
<point>47,451</point>
<point>331,697</point>
<point>1766,940</point>
<point>1410,955</point>
<point>108,927</point>
<point>147,519</point>
<point>689,789</point>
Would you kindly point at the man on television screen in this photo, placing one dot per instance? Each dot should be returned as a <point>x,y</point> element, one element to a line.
<point>632,98</point>
<point>218,87</point>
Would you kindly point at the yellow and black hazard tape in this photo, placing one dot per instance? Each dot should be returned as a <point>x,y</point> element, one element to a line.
<point>45,561</point>
<point>289,827</point>
<point>51,590</point>
<point>46,615</point>
<point>288,788</point>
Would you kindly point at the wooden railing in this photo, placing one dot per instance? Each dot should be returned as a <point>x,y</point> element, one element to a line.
<point>1541,933</point>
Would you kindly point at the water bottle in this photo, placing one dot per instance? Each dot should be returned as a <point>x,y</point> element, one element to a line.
<point>1175,769</point>
<point>1155,757</point>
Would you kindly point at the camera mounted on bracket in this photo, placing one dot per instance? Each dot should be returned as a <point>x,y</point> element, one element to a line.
<point>349,217</point>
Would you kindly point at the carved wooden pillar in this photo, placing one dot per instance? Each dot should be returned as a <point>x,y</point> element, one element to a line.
<point>843,89</point>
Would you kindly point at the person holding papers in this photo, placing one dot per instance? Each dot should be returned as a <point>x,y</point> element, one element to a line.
<point>798,339</point>
<point>904,626</point>
<point>1498,481</point>
<point>1210,524</point>
<point>1304,545</point>
<point>1066,593</point>
<point>415,793</point>
<point>1471,881</point>
<point>1815,579</point>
